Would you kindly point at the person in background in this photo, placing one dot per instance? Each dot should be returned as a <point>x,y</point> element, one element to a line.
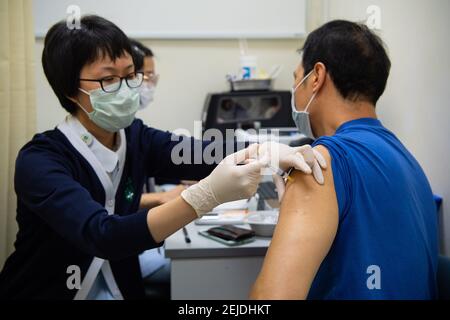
<point>155,268</point>
<point>144,61</point>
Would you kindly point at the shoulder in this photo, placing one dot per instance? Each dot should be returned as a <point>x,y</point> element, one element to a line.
<point>307,186</point>
<point>335,145</point>
<point>48,142</point>
<point>43,152</point>
<point>139,129</point>
<point>339,169</point>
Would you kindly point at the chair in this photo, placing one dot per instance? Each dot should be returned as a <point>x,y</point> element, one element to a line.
<point>443,278</point>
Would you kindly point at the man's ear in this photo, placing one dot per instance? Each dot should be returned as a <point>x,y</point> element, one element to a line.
<point>320,74</point>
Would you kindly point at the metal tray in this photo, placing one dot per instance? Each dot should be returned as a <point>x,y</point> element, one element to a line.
<point>249,85</point>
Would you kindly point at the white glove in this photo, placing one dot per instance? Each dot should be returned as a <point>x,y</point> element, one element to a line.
<point>229,181</point>
<point>303,158</point>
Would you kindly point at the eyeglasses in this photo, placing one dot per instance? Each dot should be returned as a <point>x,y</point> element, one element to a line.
<point>151,77</point>
<point>113,83</point>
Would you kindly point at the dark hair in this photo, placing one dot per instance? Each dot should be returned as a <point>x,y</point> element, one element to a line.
<point>66,51</point>
<point>139,53</point>
<point>354,56</point>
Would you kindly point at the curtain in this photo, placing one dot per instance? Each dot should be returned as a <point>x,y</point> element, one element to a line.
<point>17,106</point>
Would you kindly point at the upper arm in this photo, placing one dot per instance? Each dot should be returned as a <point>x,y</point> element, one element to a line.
<point>180,157</point>
<point>306,229</point>
<point>167,155</point>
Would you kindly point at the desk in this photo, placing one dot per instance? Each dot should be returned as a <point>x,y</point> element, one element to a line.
<point>208,270</point>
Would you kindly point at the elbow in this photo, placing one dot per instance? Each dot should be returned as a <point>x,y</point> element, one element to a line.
<point>273,295</point>
<point>103,248</point>
<point>266,291</point>
<point>107,237</point>
<point>99,240</point>
<point>259,294</point>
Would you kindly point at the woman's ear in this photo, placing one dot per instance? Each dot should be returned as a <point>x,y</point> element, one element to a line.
<point>320,74</point>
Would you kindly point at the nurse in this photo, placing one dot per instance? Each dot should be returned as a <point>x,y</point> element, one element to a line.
<point>78,186</point>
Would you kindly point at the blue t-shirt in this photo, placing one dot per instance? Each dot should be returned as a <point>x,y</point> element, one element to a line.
<point>386,246</point>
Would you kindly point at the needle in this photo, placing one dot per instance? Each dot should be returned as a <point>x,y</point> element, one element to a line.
<point>281,173</point>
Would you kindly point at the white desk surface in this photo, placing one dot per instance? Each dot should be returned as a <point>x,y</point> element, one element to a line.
<point>201,247</point>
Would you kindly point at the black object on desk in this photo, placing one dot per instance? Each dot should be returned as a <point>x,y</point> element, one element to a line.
<point>186,235</point>
<point>229,235</point>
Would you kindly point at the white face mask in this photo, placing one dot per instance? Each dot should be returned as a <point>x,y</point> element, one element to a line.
<point>146,95</point>
<point>301,118</point>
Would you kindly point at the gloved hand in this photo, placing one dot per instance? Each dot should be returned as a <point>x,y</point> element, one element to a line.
<point>303,158</point>
<point>229,181</point>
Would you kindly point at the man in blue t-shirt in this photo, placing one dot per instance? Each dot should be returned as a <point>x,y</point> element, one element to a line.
<point>370,231</point>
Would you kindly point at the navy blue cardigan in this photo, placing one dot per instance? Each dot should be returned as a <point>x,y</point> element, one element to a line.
<point>61,215</point>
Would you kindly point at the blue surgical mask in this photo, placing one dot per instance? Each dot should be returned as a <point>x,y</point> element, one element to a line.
<point>301,118</point>
<point>115,110</point>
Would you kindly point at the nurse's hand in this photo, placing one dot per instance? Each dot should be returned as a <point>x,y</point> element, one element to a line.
<point>236,177</point>
<point>303,158</point>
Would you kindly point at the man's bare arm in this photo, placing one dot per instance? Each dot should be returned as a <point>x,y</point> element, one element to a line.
<point>305,232</point>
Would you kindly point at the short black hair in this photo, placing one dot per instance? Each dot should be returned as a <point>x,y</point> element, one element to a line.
<point>139,53</point>
<point>355,58</point>
<point>66,51</point>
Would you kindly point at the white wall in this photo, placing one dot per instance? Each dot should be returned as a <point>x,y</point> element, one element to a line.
<point>416,104</point>
<point>194,19</point>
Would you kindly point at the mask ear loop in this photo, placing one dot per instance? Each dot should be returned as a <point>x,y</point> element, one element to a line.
<point>84,91</point>
<point>82,108</point>
<point>310,101</point>
<point>79,104</point>
<point>301,82</point>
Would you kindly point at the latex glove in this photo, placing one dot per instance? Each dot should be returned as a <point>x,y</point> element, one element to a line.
<point>312,157</point>
<point>303,158</point>
<point>229,181</point>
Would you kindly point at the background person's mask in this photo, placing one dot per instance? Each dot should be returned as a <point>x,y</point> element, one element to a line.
<point>301,118</point>
<point>146,95</point>
<point>113,111</point>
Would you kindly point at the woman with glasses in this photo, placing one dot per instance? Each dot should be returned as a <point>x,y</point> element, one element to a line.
<point>79,185</point>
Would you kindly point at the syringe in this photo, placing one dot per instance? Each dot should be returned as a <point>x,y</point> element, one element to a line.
<point>281,173</point>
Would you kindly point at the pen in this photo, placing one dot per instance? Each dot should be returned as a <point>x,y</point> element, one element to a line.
<point>186,235</point>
